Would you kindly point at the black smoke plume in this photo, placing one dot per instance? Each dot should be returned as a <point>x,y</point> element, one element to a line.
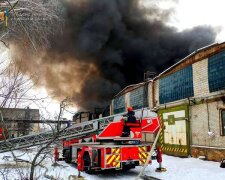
<point>109,44</point>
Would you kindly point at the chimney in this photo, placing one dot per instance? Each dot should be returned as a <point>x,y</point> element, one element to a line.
<point>148,75</point>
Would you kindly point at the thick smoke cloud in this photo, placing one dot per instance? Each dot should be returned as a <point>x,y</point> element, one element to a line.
<point>108,44</point>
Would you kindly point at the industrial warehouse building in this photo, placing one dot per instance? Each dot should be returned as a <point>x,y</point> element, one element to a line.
<point>17,121</point>
<point>190,99</point>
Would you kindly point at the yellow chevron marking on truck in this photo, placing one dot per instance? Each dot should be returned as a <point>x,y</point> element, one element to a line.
<point>114,159</point>
<point>110,159</point>
<point>142,154</point>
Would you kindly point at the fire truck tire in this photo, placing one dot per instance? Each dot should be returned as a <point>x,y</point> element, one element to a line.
<point>67,156</point>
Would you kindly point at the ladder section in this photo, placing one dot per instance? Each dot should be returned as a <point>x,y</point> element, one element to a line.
<point>75,131</point>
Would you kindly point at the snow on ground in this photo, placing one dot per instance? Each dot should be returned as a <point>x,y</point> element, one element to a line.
<point>177,169</point>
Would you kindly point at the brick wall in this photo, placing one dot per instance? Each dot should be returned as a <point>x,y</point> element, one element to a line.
<point>156,86</point>
<point>150,95</point>
<point>202,118</point>
<point>200,78</point>
<point>200,128</point>
<point>211,154</point>
<point>127,100</point>
<point>199,113</point>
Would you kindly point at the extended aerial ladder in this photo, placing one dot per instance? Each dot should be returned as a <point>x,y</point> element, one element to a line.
<point>75,131</point>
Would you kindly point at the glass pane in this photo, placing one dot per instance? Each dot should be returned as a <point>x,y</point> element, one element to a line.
<point>138,98</point>
<point>216,71</point>
<point>176,86</point>
<point>119,104</point>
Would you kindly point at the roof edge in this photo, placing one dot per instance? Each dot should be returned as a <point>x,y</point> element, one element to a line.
<point>188,56</point>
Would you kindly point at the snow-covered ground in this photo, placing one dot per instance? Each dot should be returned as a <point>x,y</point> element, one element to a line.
<point>177,169</point>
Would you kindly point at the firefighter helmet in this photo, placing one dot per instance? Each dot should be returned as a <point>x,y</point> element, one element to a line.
<point>129,109</point>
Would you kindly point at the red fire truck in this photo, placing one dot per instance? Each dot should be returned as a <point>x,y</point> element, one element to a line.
<point>108,149</point>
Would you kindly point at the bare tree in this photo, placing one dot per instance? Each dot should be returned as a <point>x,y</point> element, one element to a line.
<point>14,86</point>
<point>30,22</point>
<point>56,131</point>
<point>14,92</point>
<point>43,150</point>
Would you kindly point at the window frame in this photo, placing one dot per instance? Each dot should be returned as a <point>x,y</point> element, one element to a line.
<point>121,108</point>
<point>222,122</point>
<point>136,96</point>
<point>182,85</point>
<point>216,66</point>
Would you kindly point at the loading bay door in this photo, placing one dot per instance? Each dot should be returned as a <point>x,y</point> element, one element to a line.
<point>174,137</point>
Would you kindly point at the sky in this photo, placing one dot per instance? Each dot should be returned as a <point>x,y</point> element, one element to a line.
<point>190,13</point>
<point>186,14</point>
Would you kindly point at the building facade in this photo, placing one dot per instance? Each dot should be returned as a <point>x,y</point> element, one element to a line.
<point>17,120</point>
<point>190,98</point>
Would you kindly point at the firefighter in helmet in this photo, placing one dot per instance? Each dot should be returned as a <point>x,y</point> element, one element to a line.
<point>131,115</point>
<point>130,118</point>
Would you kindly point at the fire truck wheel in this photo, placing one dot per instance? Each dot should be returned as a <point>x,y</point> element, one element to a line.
<point>67,156</point>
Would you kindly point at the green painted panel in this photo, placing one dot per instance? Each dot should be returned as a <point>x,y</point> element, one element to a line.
<point>177,108</point>
<point>174,137</point>
<point>171,120</point>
